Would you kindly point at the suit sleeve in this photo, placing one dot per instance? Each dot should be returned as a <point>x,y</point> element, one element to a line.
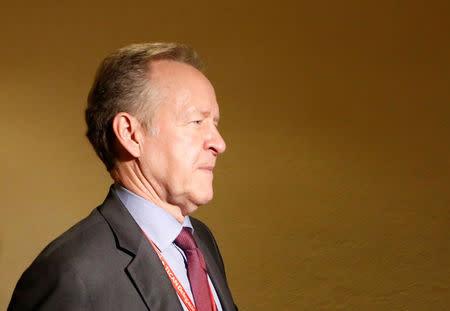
<point>49,287</point>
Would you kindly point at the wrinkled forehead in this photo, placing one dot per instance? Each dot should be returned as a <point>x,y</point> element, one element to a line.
<point>183,99</point>
<point>189,103</point>
<point>185,89</point>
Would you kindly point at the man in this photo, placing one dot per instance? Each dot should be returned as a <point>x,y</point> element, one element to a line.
<point>152,118</point>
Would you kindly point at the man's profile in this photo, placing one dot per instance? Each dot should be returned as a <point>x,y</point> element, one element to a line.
<point>152,118</point>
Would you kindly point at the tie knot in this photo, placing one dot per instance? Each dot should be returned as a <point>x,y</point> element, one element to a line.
<point>185,240</point>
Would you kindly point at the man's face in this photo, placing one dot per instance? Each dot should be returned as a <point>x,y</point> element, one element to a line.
<point>178,161</point>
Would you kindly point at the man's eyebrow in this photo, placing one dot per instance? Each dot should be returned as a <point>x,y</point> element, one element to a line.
<point>203,112</point>
<point>206,113</point>
<point>216,118</point>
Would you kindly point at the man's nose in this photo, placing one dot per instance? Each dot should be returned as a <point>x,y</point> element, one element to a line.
<point>215,142</point>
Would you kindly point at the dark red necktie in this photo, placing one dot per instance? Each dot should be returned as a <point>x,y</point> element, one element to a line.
<point>196,270</point>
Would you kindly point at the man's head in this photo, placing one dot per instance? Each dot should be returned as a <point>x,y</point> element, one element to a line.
<point>122,84</point>
<point>154,124</point>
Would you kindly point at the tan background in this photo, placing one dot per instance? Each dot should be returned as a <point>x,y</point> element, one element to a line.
<point>333,193</point>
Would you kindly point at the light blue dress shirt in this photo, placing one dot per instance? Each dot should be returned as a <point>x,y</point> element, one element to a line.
<point>162,228</point>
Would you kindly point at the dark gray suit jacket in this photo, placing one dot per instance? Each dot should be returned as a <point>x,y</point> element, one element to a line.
<point>105,262</point>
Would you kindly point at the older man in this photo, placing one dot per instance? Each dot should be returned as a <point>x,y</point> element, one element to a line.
<point>152,118</point>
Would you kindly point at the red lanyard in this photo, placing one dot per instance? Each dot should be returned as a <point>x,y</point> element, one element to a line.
<point>177,285</point>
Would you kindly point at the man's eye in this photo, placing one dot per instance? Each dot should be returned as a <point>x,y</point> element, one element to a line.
<point>196,121</point>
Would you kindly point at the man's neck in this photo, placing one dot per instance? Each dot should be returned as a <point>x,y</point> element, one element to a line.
<point>174,210</point>
<point>125,176</point>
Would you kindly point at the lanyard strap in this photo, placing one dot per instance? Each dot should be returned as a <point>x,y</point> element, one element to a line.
<point>177,285</point>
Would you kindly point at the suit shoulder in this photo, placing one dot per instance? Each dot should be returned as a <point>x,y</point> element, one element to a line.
<point>55,271</point>
<point>82,243</point>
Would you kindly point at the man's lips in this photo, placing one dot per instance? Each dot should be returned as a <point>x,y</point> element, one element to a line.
<point>207,168</point>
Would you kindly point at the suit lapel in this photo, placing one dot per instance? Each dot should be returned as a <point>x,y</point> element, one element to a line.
<point>216,276</point>
<point>145,269</point>
<point>151,279</point>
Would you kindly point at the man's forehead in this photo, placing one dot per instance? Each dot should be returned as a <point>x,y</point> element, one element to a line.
<point>184,87</point>
<point>183,98</point>
<point>187,103</point>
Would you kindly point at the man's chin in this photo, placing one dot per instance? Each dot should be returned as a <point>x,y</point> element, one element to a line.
<point>205,196</point>
<point>197,200</point>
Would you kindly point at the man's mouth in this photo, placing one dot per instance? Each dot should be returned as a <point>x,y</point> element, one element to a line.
<point>207,168</point>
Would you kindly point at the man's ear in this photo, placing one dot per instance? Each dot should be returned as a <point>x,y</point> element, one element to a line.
<point>128,133</point>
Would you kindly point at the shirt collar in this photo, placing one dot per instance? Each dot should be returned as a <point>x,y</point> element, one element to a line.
<point>159,225</point>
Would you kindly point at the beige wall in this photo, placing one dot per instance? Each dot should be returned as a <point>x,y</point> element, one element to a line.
<point>333,193</point>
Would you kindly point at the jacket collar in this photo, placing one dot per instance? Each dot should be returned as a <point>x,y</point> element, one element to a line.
<point>145,269</point>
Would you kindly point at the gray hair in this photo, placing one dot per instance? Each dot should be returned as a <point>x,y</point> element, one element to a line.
<point>122,84</point>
